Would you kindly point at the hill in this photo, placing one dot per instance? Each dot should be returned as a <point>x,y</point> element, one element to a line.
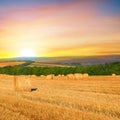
<point>71,60</point>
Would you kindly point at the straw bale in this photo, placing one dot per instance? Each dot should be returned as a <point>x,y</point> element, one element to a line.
<point>22,83</point>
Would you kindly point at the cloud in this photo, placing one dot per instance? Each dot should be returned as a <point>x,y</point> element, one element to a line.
<point>91,48</point>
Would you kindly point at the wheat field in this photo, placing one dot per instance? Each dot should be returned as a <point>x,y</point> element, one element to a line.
<point>93,98</point>
<point>3,64</point>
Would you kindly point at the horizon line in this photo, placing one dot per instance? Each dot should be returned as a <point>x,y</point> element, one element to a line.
<point>60,56</point>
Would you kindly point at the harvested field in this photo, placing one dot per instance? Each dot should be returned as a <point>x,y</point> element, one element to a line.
<point>92,98</point>
<point>39,64</point>
<point>3,64</point>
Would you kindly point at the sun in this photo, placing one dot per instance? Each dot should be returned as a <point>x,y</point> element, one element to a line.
<point>27,53</point>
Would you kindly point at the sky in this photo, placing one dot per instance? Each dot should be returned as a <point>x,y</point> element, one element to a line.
<point>53,28</point>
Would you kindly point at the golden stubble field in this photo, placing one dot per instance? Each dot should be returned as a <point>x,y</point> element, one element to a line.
<point>93,98</point>
<point>3,64</point>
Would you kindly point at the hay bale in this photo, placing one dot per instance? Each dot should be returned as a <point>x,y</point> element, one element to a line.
<point>42,77</point>
<point>70,76</point>
<point>78,76</point>
<point>55,77</point>
<point>33,76</point>
<point>59,77</point>
<point>22,83</point>
<point>85,75</point>
<point>113,74</point>
<point>50,77</point>
<point>63,77</point>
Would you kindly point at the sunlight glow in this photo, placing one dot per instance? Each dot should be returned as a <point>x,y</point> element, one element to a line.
<point>27,53</point>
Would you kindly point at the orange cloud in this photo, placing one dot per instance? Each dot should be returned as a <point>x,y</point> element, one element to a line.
<point>105,48</point>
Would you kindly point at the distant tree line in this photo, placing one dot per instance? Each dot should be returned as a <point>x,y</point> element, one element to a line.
<point>106,69</point>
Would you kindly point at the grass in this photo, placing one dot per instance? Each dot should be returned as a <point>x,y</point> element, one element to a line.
<point>94,98</point>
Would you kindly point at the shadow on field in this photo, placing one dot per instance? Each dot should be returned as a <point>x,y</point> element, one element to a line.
<point>34,89</point>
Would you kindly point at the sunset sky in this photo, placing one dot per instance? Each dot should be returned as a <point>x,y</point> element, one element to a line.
<point>59,28</point>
